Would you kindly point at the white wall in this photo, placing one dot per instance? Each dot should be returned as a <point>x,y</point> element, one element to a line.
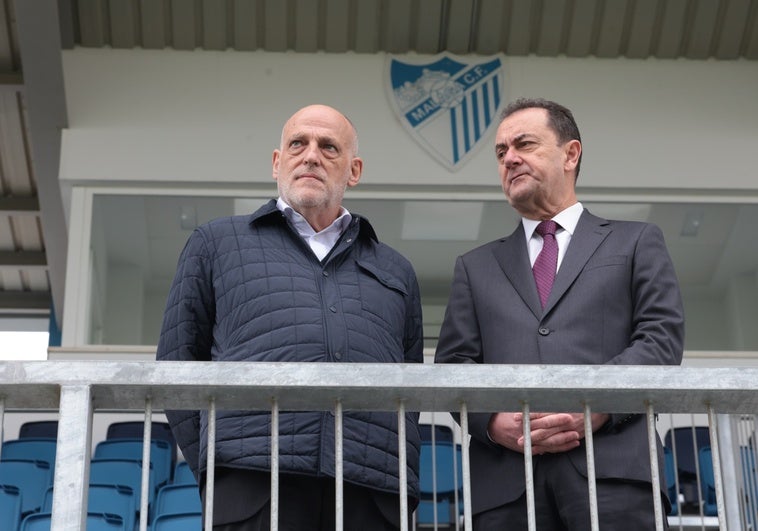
<point>171,116</point>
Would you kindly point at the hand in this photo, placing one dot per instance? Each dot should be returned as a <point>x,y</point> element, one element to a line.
<point>550,432</point>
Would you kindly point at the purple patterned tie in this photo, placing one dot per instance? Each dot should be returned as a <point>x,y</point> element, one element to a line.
<point>547,261</point>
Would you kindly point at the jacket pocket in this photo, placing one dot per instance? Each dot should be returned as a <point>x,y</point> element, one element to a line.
<point>383,298</point>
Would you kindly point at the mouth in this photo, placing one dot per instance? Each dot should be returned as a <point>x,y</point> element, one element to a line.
<point>309,176</point>
<point>517,177</point>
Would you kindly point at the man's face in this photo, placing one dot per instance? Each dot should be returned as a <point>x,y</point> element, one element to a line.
<point>316,160</point>
<point>536,171</point>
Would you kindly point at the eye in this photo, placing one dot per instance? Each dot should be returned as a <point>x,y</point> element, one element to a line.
<point>296,143</point>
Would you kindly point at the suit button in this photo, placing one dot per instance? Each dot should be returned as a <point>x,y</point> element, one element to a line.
<point>338,355</point>
<point>544,331</point>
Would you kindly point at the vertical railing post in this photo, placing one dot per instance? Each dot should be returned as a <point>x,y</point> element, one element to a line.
<point>652,441</point>
<point>591,481</point>
<point>531,514</point>
<point>466,465</point>
<point>210,467</point>
<point>402,463</point>
<point>146,443</point>
<point>274,464</point>
<point>730,472</point>
<point>716,457</point>
<point>72,459</point>
<point>338,468</point>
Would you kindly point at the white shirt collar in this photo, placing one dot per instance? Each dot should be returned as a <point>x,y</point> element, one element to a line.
<point>567,219</point>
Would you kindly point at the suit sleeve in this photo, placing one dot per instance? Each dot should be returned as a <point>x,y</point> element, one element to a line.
<point>460,340</point>
<point>657,336</point>
<point>186,334</point>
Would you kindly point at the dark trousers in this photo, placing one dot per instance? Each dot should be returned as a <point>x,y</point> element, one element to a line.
<point>306,504</point>
<point>561,500</point>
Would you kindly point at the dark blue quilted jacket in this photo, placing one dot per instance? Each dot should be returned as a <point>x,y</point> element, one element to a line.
<point>248,288</point>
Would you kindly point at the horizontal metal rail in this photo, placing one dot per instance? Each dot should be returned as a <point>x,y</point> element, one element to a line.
<point>76,388</point>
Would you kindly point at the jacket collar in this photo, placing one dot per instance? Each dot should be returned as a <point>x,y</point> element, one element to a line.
<point>271,214</point>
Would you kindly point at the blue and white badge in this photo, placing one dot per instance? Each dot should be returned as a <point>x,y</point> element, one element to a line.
<point>449,104</point>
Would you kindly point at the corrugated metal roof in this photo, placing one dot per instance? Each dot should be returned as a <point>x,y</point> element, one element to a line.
<point>31,270</point>
<point>695,29</point>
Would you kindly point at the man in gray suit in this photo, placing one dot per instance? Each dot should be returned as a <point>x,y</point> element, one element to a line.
<point>614,300</point>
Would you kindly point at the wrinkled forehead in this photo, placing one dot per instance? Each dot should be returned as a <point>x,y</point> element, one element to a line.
<point>525,122</point>
<point>323,121</point>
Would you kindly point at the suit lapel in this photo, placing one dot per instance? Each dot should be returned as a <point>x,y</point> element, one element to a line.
<point>589,234</point>
<point>513,257</point>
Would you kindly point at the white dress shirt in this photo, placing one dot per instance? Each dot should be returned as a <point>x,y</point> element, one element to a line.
<point>319,242</point>
<point>567,219</point>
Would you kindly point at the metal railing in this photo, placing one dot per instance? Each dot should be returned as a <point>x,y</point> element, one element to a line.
<point>77,388</point>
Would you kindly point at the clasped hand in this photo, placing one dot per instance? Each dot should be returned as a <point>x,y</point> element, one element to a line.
<point>550,432</point>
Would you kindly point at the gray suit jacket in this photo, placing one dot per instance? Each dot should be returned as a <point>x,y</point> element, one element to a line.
<point>615,300</point>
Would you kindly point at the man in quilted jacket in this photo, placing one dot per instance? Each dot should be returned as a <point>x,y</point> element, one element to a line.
<point>300,280</point>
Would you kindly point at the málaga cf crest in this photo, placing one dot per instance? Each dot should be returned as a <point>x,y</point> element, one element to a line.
<point>448,105</point>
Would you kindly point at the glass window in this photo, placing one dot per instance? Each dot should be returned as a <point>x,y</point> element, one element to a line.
<point>136,240</point>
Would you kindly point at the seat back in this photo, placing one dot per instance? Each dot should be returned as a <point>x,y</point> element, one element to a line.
<point>687,449</point>
<point>126,472</point>
<point>707,481</point>
<point>113,499</point>
<point>176,499</point>
<point>442,433</point>
<point>160,455</point>
<point>183,474</point>
<point>670,477</point>
<point>438,460</point>
<point>95,522</point>
<point>31,449</point>
<point>10,507</point>
<point>39,428</point>
<point>136,429</point>
<point>178,522</point>
<point>32,478</point>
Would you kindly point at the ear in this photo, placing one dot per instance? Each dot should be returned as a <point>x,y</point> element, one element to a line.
<point>573,149</point>
<point>356,169</point>
<point>275,164</point>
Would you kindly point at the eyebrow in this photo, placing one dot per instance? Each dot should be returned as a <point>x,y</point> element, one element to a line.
<point>321,139</point>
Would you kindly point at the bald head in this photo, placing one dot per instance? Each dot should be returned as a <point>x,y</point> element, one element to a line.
<point>326,115</point>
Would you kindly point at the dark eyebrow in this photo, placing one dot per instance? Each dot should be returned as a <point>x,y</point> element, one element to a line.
<point>521,137</point>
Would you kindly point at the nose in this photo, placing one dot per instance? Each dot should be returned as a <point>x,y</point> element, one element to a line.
<point>511,159</point>
<point>311,154</point>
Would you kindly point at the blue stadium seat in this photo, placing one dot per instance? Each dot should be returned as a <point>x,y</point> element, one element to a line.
<point>425,513</point>
<point>160,455</point>
<point>442,433</point>
<point>178,522</point>
<point>10,507</point>
<point>105,499</point>
<point>31,477</point>
<point>39,428</point>
<point>31,449</point>
<point>95,522</point>
<point>126,472</point>
<point>183,474</point>
<point>707,481</point>
<point>136,429</point>
<point>670,477</point>
<point>114,499</point>
<point>686,454</point>
<point>175,499</point>
<point>449,484</point>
